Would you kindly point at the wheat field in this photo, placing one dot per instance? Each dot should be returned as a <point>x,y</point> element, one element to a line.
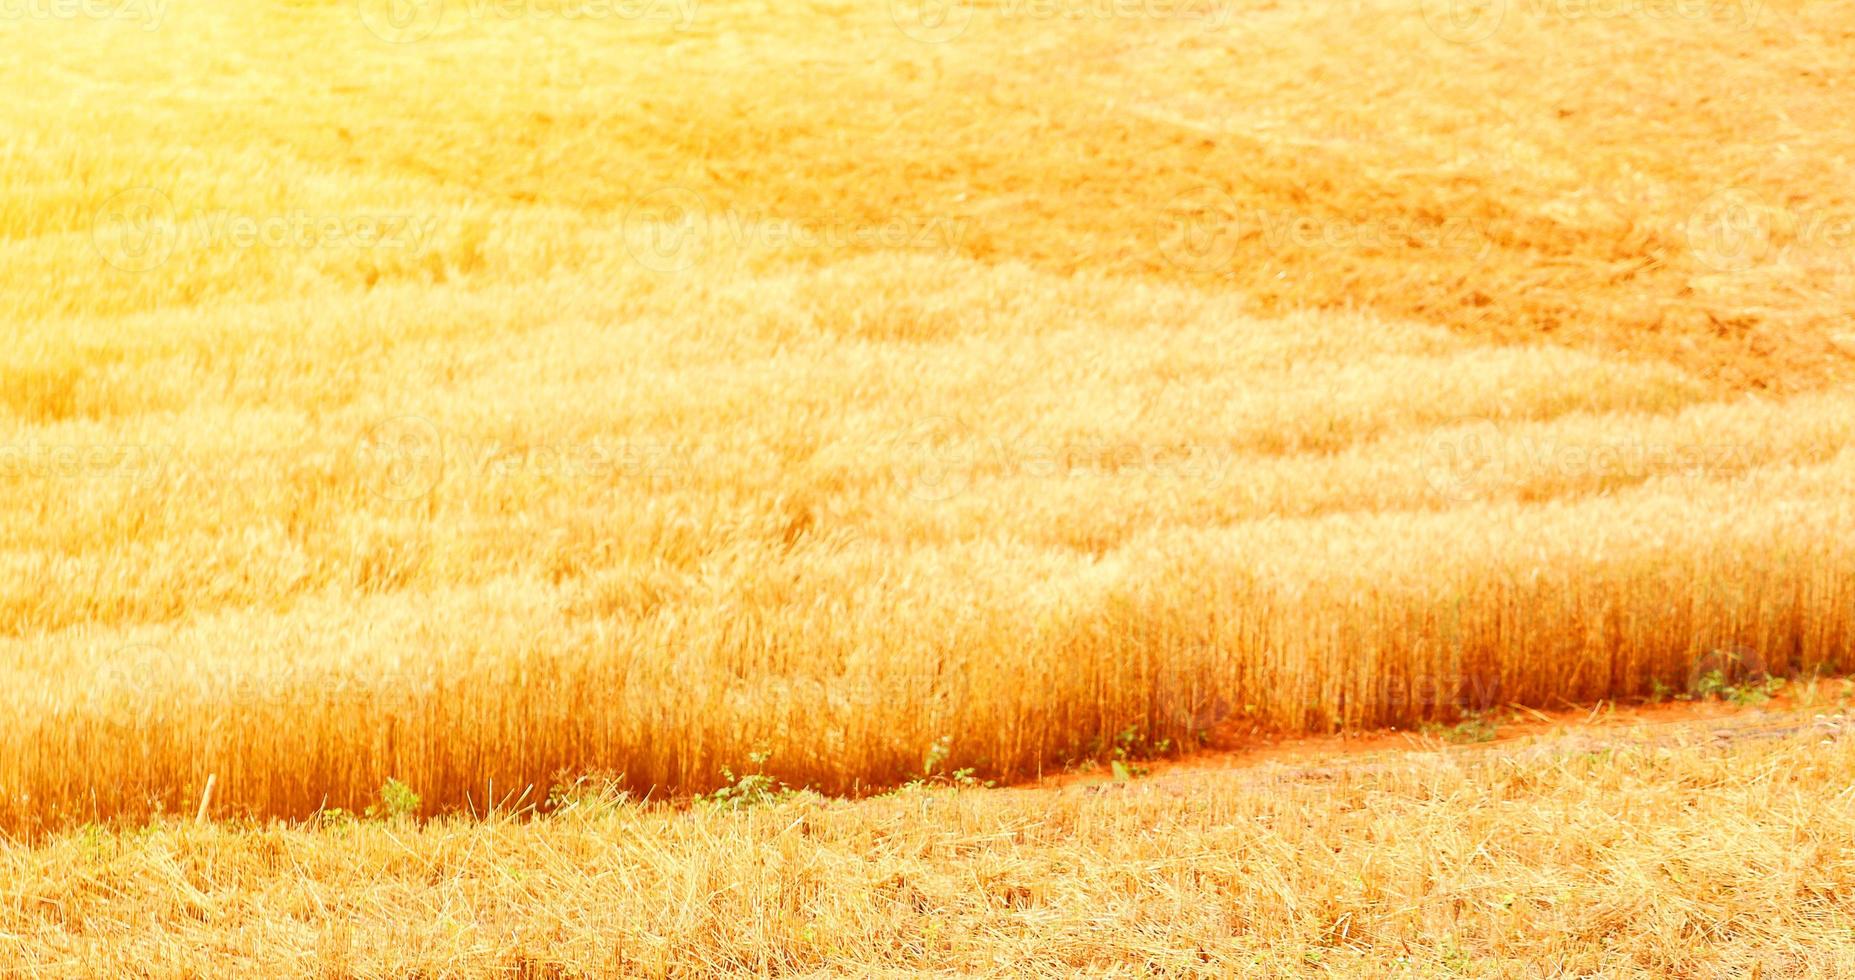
<point>473,395</point>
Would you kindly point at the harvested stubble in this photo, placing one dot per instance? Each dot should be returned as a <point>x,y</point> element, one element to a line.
<point>1645,856</point>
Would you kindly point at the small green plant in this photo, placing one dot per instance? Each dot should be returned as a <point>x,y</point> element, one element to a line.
<point>1735,675</point>
<point>966,777</point>
<point>937,755</point>
<point>1711,685</point>
<point>1122,753</point>
<point>934,772</point>
<point>755,788</point>
<point>1715,685</point>
<point>1757,693</point>
<point>97,841</point>
<point>397,802</point>
<point>1476,728</point>
<point>1131,747</point>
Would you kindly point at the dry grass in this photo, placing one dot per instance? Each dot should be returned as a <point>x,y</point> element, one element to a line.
<point>1640,855</point>
<point>1308,371</point>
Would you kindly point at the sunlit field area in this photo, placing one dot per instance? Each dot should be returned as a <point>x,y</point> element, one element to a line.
<point>478,394</point>
<point>469,395</point>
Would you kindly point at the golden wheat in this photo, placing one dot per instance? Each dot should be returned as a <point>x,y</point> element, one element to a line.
<point>640,392</point>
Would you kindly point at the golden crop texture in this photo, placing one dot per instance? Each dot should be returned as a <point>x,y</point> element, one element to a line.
<point>477,396</point>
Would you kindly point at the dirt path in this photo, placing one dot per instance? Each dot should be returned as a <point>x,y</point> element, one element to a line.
<point>1516,732</point>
